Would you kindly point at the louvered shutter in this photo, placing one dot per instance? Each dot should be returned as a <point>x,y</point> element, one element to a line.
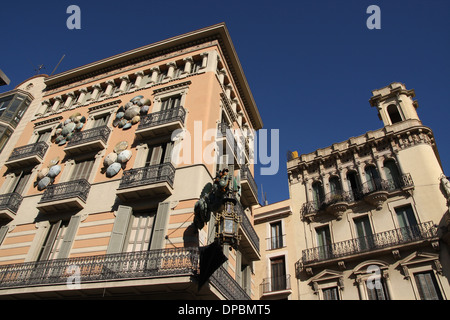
<point>69,237</point>
<point>159,229</point>
<point>117,240</point>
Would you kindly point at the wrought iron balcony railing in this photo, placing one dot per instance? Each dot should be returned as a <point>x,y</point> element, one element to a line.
<point>37,149</point>
<point>148,175</point>
<point>10,201</point>
<point>94,134</point>
<point>161,117</point>
<point>403,182</point>
<point>110,267</point>
<point>247,226</point>
<point>387,239</point>
<point>278,283</point>
<point>65,190</point>
<point>247,175</point>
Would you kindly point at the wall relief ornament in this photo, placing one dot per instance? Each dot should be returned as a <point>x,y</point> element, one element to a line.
<point>66,129</point>
<point>130,113</point>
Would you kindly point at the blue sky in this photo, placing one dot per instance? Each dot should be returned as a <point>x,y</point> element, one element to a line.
<point>311,65</point>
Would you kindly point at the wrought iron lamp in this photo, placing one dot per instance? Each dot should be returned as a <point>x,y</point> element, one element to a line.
<point>227,222</point>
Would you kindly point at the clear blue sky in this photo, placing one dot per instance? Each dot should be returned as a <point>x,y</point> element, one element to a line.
<point>311,65</point>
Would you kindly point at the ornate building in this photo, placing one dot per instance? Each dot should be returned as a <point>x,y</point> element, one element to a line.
<point>109,175</point>
<point>366,216</point>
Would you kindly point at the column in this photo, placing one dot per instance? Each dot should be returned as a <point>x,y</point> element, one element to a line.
<point>221,75</point>
<point>204,56</point>
<point>109,87</point>
<point>57,103</point>
<point>139,76</point>
<point>228,89</point>
<point>154,77</point>
<point>96,92</point>
<point>123,85</point>
<point>188,61</point>
<point>70,97</point>
<point>82,96</point>
<point>44,108</point>
<point>170,72</point>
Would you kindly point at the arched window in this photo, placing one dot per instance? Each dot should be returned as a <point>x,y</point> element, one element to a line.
<point>353,184</point>
<point>392,173</point>
<point>335,186</point>
<point>394,113</point>
<point>372,178</point>
<point>318,194</point>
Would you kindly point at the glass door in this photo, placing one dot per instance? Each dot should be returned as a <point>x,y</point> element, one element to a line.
<point>364,234</point>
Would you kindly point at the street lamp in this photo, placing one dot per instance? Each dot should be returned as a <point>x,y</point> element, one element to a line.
<point>227,222</point>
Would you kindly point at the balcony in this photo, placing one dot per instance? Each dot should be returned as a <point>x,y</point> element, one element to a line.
<point>89,140</point>
<point>152,269</point>
<point>248,186</point>
<point>29,155</point>
<point>374,192</point>
<point>378,243</point>
<point>228,146</point>
<point>9,204</point>
<point>66,196</point>
<point>161,123</point>
<point>276,287</point>
<point>152,181</point>
<point>249,237</point>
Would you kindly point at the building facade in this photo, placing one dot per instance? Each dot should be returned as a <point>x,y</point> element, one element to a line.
<point>367,217</point>
<point>110,167</point>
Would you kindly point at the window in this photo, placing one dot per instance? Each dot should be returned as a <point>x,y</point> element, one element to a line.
<point>101,121</point>
<point>53,241</point>
<point>372,178</point>
<point>407,222</point>
<point>392,173</point>
<point>378,291</point>
<point>324,242</point>
<point>19,181</point>
<point>427,286</point>
<point>278,270</point>
<point>159,154</point>
<point>140,231</point>
<point>171,102</point>
<point>394,114</point>
<point>318,194</point>
<point>44,136</point>
<point>4,102</point>
<point>82,169</point>
<point>353,183</point>
<point>364,233</point>
<point>330,293</point>
<point>276,236</point>
<point>335,186</point>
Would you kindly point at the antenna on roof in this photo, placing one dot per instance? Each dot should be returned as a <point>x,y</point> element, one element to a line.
<point>39,67</point>
<point>58,64</point>
<point>264,196</point>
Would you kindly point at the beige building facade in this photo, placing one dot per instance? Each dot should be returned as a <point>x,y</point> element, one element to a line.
<point>366,218</point>
<point>110,171</point>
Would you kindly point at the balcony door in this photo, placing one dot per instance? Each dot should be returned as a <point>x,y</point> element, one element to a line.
<point>372,178</point>
<point>140,231</point>
<point>324,242</point>
<point>407,223</point>
<point>364,233</point>
<point>169,106</point>
<point>392,173</point>
<point>19,181</point>
<point>278,270</point>
<point>82,169</point>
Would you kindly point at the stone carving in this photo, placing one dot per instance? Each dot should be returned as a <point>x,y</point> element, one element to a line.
<point>116,160</point>
<point>66,129</point>
<point>47,175</point>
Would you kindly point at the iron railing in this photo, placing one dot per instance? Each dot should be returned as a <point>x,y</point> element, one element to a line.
<point>10,201</point>
<point>65,190</point>
<point>247,226</point>
<point>387,239</point>
<point>277,283</point>
<point>247,175</point>
<point>38,148</point>
<point>148,175</point>
<point>94,134</point>
<point>162,117</point>
<point>131,265</point>
<point>390,185</point>
<point>276,242</point>
<point>110,267</point>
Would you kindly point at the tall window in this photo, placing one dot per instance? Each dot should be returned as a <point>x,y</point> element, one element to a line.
<point>278,269</point>
<point>364,233</point>
<point>407,222</point>
<point>53,241</point>
<point>101,121</point>
<point>372,178</point>
<point>140,231</point>
<point>19,181</point>
<point>335,186</point>
<point>171,102</point>
<point>324,242</point>
<point>82,169</point>
<point>392,173</point>
<point>378,291</point>
<point>158,154</point>
<point>353,183</point>
<point>427,286</point>
<point>318,194</point>
<point>276,236</point>
<point>394,113</point>
<point>330,293</point>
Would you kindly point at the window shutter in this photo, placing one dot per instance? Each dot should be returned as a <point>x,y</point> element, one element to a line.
<point>239,267</point>
<point>69,236</point>
<point>117,240</point>
<point>3,232</point>
<point>159,229</point>
<point>168,152</point>
<point>48,245</point>
<point>156,155</point>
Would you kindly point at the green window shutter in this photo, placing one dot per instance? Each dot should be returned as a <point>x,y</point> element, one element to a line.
<point>69,237</point>
<point>159,229</point>
<point>3,232</point>
<point>117,240</point>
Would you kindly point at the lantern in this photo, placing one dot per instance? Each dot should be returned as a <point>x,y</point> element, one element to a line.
<point>227,222</point>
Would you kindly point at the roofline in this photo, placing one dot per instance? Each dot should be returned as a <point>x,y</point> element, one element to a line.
<point>217,31</point>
